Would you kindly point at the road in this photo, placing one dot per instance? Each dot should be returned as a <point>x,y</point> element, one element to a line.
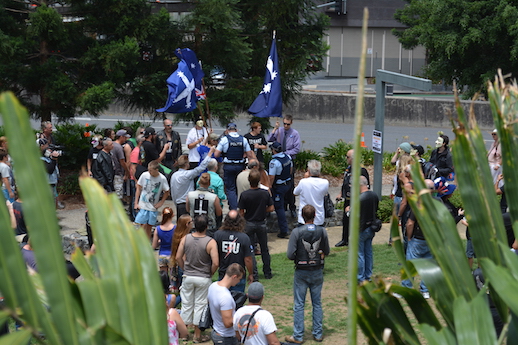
<point>315,135</point>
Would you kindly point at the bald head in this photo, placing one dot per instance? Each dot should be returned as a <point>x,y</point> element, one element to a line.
<point>350,155</point>
<point>253,164</point>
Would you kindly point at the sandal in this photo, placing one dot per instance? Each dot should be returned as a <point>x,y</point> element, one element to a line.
<point>203,339</point>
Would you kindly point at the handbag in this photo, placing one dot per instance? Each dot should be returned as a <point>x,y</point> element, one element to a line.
<point>205,319</point>
<point>329,207</point>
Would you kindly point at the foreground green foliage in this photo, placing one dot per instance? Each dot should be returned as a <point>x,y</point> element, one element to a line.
<point>118,302</point>
<point>464,311</point>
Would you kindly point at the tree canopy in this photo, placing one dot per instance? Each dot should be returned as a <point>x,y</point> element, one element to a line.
<point>466,41</point>
<point>90,53</point>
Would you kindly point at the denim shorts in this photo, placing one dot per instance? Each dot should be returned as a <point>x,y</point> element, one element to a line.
<point>146,217</point>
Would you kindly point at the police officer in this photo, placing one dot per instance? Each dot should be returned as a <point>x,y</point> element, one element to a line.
<point>280,176</point>
<point>234,148</point>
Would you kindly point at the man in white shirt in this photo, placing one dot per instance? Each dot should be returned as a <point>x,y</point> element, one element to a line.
<point>195,137</point>
<point>222,306</point>
<point>312,189</point>
<point>259,329</point>
<point>147,198</point>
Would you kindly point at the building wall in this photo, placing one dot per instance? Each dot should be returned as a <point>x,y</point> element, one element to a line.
<point>344,55</point>
<point>399,111</point>
<point>344,39</point>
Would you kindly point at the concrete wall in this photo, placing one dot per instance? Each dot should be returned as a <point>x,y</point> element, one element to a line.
<point>403,111</point>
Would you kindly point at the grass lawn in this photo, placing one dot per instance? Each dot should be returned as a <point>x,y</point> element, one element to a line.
<point>279,296</point>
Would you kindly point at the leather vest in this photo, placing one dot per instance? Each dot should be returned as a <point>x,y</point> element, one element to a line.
<point>309,254</point>
<point>201,201</point>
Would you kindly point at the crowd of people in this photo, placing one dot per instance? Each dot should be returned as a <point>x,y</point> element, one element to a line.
<point>146,169</point>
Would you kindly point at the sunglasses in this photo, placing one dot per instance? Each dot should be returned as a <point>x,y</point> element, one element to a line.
<point>169,125</point>
<point>287,124</point>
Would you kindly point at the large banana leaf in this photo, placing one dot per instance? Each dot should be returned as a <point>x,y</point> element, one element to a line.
<point>120,300</point>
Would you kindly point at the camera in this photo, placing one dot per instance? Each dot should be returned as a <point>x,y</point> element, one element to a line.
<point>54,148</point>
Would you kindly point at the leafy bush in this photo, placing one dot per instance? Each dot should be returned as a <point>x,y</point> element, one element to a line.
<point>303,157</point>
<point>133,125</point>
<point>367,157</point>
<point>337,154</point>
<point>385,208</point>
<point>69,184</point>
<point>76,140</point>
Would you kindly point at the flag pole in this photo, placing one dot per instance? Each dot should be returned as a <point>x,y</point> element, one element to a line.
<point>207,109</point>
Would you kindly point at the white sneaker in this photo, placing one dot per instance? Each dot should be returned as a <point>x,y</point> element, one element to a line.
<point>426,295</point>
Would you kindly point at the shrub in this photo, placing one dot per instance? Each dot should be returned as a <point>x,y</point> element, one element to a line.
<point>69,184</point>
<point>133,125</point>
<point>385,208</point>
<point>303,157</point>
<point>337,154</point>
<point>75,139</point>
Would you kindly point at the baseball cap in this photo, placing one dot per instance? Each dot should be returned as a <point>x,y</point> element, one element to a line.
<point>149,131</point>
<point>276,146</point>
<point>419,149</point>
<point>122,133</point>
<point>255,291</point>
<point>405,147</point>
<point>232,125</point>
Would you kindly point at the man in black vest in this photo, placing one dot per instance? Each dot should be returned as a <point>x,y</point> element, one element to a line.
<point>168,135</point>
<point>234,148</point>
<point>345,194</point>
<point>307,247</point>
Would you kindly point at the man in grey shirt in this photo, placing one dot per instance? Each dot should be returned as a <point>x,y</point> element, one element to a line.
<point>182,181</point>
<point>197,255</point>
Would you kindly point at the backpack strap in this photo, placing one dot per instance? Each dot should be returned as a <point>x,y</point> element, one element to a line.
<point>250,321</point>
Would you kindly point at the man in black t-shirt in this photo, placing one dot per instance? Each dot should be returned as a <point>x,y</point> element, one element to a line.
<point>345,194</point>
<point>234,247</point>
<point>257,141</point>
<point>148,149</point>
<point>253,206</point>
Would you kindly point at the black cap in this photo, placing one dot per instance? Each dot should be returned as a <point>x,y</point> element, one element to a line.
<point>276,146</point>
<point>148,132</point>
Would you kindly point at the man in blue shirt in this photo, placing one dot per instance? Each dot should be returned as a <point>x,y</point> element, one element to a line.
<point>280,173</point>
<point>233,147</point>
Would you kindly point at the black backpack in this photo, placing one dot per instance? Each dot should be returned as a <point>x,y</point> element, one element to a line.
<point>429,170</point>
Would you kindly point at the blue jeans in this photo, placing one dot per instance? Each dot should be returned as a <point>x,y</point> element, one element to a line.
<point>365,255</point>
<point>302,281</point>
<point>6,195</point>
<point>279,190</point>
<point>259,229</point>
<point>230,172</point>
<point>417,249</point>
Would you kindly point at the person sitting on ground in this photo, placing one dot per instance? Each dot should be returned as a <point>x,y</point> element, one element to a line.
<point>222,305</point>
<point>163,237</point>
<point>252,324</point>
